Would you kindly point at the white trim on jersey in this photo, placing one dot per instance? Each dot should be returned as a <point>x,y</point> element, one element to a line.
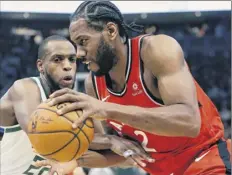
<point>42,93</point>
<point>140,77</point>
<point>127,72</point>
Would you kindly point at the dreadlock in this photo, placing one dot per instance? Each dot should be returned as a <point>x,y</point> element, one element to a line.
<point>98,13</point>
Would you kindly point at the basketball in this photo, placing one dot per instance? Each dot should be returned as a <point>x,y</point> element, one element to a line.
<point>53,137</point>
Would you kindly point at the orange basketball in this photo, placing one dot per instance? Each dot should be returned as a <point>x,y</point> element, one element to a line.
<point>53,137</point>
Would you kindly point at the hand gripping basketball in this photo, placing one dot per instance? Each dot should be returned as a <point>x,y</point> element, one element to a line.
<point>90,106</point>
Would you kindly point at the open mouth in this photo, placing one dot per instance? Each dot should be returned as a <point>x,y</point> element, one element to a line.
<point>67,80</point>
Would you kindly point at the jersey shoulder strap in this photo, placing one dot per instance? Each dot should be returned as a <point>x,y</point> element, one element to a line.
<point>42,92</point>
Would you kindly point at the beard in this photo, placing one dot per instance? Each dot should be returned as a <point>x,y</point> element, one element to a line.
<point>53,85</point>
<point>106,58</point>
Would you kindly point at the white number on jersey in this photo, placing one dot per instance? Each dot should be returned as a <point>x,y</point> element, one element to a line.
<point>34,170</point>
<point>145,141</point>
<point>136,132</point>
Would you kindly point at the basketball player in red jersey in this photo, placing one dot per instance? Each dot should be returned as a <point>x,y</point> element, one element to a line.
<point>146,93</point>
<point>57,66</point>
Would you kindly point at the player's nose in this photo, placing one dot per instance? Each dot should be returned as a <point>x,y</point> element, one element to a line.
<point>80,53</point>
<point>67,65</point>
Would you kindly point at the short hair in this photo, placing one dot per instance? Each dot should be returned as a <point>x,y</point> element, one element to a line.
<point>98,13</point>
<point>43,46</point>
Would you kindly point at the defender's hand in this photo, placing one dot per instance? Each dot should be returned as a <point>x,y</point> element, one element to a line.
<point>59,168</point>
<point>130,150</point>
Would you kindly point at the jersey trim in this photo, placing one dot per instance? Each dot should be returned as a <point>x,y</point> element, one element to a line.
<point>128,70</point>
<point>145,88</point>
<point>42,92</point>
<point>14,128</point>
<point>94,86</point>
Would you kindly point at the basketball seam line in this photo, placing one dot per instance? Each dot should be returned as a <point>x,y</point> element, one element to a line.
<point>77,149</point>
<point>75,136</point>
<point>85,136</point>
<point>86,124</point>
<point>77,114</point>
<point>49,132</point>
<point>59,148</point>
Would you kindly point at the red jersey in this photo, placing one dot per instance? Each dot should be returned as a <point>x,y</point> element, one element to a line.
<point>172,154</point>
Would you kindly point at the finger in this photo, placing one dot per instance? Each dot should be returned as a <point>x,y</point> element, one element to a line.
<point>128,153</point>
<point>130,161</point>
<point>62,92</point>
<point>147,157</point>
<point>71,107</point>
<point>79,121</point>
<point>134,162</point>
<point>142,153</point>
<point>63,98</point>
<point>52,171</point>
<point>43,163</point>
<point>60,171</point>
<point>46,101</point>
<point>138,160</point>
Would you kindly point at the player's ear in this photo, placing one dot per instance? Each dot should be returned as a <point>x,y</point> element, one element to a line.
<point>112,30</point>
<point>39,64</point>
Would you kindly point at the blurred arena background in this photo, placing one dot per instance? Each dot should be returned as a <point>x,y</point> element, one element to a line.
<point>202,28</point>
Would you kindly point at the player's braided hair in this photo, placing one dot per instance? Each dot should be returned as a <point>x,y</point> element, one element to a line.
<point>98,13</point>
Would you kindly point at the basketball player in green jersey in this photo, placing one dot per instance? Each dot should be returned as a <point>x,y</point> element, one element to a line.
<point>57,67</point>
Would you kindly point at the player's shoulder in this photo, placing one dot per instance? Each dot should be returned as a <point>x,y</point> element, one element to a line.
<point>25,83</point>
<point>158,50</point>
<point>161,44</point>
<point>21,86</point>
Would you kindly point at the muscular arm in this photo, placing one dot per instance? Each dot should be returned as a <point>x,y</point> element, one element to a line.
<point>19,102</point>
<point>180,116</point>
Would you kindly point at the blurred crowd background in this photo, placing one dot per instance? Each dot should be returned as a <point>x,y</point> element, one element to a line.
<point>204,36</point>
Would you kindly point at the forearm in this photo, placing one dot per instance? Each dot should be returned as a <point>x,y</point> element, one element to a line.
<point>173,120</point>
<point>100,159</point>
<point>100,142</point>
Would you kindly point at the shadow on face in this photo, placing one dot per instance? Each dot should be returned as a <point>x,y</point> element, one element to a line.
<point>95,48</point>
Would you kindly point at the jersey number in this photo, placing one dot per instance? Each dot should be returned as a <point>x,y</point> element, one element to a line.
<point>137,132</point>
<point>145,141</point>
<point>32,169</point>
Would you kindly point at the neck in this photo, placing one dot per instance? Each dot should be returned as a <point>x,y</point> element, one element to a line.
<point>46,85</point>
<point>117,74</point>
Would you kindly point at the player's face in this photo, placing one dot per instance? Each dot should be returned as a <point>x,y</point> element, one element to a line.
<point>60,64</point>
<point>92,48</point>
